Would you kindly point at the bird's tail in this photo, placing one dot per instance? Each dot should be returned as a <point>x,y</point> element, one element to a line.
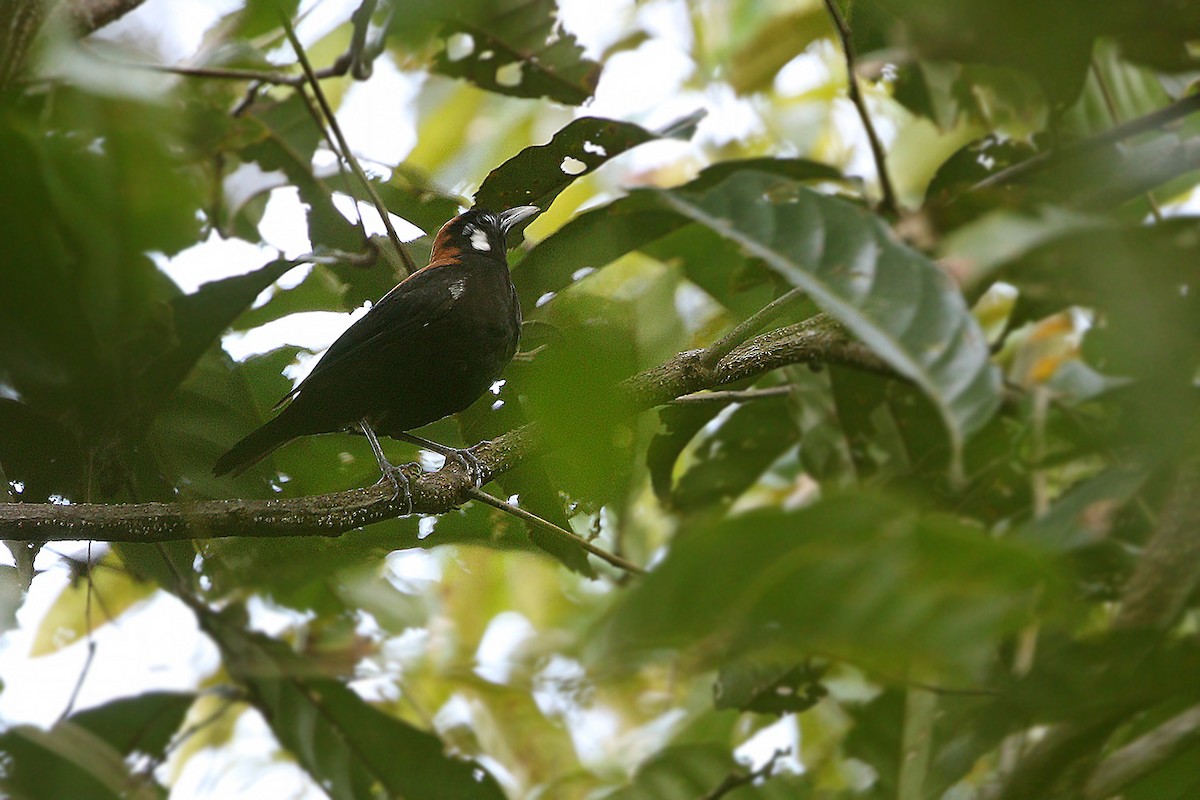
<point>254,448</point>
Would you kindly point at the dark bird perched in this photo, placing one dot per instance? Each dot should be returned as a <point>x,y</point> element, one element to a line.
<point>432,346</point>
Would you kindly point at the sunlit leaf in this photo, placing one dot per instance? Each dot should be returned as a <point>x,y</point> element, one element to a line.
<point>853,577</point>
<point>68,621</point>
<point>517,48</point>
<point>347,746</point>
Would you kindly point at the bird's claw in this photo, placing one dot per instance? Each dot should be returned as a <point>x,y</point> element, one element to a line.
<point>401,483</point>
<point>470,464</point>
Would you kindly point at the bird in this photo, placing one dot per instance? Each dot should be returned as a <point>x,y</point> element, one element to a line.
<point>429,348</point>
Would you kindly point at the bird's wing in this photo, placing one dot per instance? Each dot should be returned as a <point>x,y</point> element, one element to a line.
<point>411,305</point>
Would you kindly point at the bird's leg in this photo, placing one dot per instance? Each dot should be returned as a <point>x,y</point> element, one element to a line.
<point>465,458</point>
<point>390,471</point>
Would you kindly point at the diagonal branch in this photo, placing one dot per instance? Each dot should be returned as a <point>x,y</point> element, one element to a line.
<point>889,205</point>
<point>818,340</point>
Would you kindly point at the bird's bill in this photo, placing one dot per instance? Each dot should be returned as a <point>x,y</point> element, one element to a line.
<point>515,216</point>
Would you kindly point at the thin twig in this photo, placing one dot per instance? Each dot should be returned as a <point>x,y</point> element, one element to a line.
<point>889,204</point>
<point>733,396</point>
<point>748,327</point>
<point>736,780</point>
<point>361,63</point>
<point>91,642</point>
<point>1111,104</point>
<point>1149,122</point>
<point>346,153</point>
<point>562,533</point>
<point>318,119</point>
<point>222,73</point>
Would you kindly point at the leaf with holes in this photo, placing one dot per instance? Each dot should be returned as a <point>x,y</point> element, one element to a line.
<point>538,174</point>
<point>518,49</point>
<point>899,303</point>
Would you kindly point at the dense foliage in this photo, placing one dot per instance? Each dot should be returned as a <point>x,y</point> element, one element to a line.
<point>932,519</point>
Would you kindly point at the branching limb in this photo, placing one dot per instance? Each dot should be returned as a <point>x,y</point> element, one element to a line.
<point>749,326</point>
<point>889,204</point>
<point>818,340</point>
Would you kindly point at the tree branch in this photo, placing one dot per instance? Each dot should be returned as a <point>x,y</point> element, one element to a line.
<point>1143,754</point>
<point>889,204</point>
<point>818,340</point>
<point>92,15</point>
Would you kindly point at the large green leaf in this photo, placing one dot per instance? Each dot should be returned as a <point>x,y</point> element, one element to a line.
<point>853,577</point>
<point>517,48</point>
<point>84,756</point>
<point>538,174</point>
<point>199,320</point>
<point>350,748</point>
<point>897,301</point>
<point>602,235</point>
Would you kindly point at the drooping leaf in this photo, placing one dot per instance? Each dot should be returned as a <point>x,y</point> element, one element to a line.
<point>852,577</point>
<point>347,746</point>
<point>283,136</point>
<point>899,303</point>
<point>84,756</point>
<point>142,723</point>
<point>517,48</point>
<point>66,623</point>
<point>199,319</point>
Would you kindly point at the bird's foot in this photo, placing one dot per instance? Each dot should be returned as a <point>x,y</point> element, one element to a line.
<point>400,482</point>
<point>469,462</point>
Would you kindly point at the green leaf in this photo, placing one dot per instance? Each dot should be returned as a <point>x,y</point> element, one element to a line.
<point>1083,515</point>
<point>899,303</point>
<point>517,48</point>
<point>283,136</point>
<point>85,756</point>
<point>199,320</point>
<point>143,723</point>
<point>598,237</point>
<point>350,748</point>
<point>853,577</point>
<point>768,686</point>
<point>685,771</point>
<point>733,457</point>
<point>778,40</point>
<point>538,174</point>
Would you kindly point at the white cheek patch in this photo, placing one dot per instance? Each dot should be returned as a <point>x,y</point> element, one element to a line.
<point>479,240</point>
<point>457,288</point>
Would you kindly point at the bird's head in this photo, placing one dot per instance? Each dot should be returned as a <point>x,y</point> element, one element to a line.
<point>478,231</point>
